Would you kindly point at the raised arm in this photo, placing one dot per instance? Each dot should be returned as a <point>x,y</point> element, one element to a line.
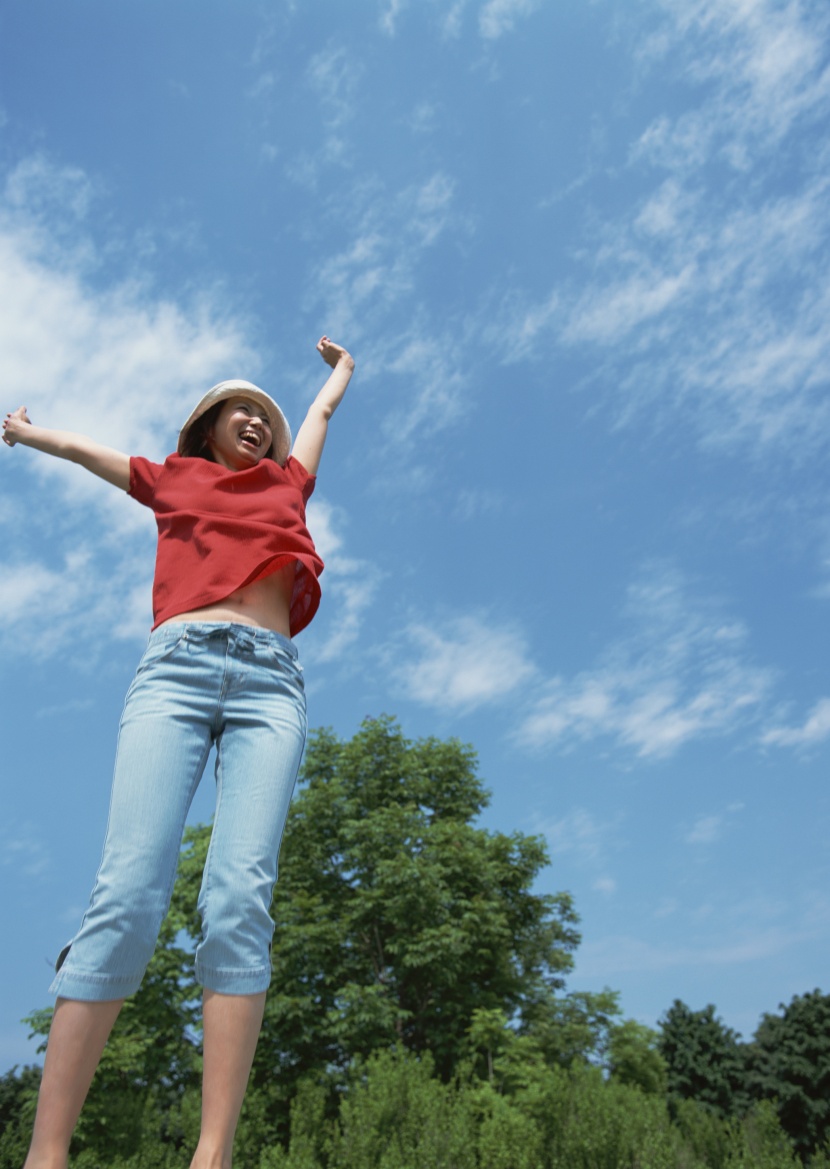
<point>77,448</point>
<point>311,437</point>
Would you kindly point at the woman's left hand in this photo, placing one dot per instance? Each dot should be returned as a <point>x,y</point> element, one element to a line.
<point>333,354</point>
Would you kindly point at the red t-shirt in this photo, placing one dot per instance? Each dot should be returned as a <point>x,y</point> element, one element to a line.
<point>220,530</point>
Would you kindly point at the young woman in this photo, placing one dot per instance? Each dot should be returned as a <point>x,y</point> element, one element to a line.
<point>236,578</point>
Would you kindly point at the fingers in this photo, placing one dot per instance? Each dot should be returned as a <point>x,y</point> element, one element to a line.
<point>9,421</point>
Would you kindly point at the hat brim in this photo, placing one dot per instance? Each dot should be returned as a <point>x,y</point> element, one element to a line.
<point>280,430</point>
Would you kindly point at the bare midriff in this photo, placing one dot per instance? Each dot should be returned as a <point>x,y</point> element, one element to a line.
<point>266,604</point>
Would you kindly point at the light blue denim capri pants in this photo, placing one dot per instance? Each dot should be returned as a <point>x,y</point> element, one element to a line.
<point>198,684</point>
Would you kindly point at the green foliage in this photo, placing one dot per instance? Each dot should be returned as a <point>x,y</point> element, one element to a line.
<point>634,1057</point>
<point>575,1026</point>
<point>790,1064</point>
<point>761,1143</point>
<point>18,1098</point>
<point>396,917</point>
<point>398,1114</point>
<point>594,1124</point>
<point>705,1060</point>
<point>705,1135</point>
<point>417,1014</point>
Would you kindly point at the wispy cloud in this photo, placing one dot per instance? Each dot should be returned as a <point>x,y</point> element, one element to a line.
<point>682,672</point>
<point>389,16</point>
<point>462,664</point>
<point>22,849</point>
<point>814,730</point>
<point>333,75</point>
<point>705,830</point>
<point>580,835</point>
<point>497,17</point>
<point>708,829</point>
<point>764,63</point>
<point>708,296</point>
<point>388,235</point>
<point>621,953</point>
<point>106,358</point>
<point>361,289</point>
<point>351,584</point>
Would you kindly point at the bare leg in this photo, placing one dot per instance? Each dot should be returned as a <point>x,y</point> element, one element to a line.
<point>232,1023</point>
<point>77,1037</point>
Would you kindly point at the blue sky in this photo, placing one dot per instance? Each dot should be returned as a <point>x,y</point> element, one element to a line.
<point>574,507</point>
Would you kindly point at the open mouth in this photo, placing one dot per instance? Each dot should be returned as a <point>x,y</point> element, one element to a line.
<point>250,438</point>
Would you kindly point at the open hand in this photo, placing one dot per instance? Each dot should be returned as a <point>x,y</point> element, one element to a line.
<point>332,353</point>
<point>13,425</point>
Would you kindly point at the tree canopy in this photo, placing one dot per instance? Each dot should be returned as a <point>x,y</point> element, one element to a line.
<point>413,955</point>
<point>397,918</point>
<point>790,1063</point>
<point>705,1060</point>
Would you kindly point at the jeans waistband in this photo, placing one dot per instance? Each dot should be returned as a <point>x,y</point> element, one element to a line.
<point>231,630</point>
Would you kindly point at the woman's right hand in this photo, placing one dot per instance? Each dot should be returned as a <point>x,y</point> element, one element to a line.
<point>14,425</point>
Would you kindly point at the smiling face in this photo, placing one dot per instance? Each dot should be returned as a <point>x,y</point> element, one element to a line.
<point>241,435</point>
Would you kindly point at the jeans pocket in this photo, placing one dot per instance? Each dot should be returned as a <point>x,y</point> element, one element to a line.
<point>282,658</point>
<point>159,651</point>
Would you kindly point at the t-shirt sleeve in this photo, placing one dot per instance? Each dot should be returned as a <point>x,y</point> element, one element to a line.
<point>143,478</point>
<point>300,477</point>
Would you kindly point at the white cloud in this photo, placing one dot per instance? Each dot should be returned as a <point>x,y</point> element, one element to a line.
<point>708,297</point>
<point>389,16</point>
<point>620,953</point>
<point>680,674</point>
<point>358,291</point>
<point>22,849</point>
<point>710,828</point>
<point>463,664</point>
<point>608,315</point>
<point>815,729</point>
<point>520,326</point>
<point>388,236</point>
<point>437,396</point>
<point>706,830</point>
<point>451,18</point>
<point>103,357</point>
<point>350,583</point>
<point>764,63</point>
<point>334,74</point>
<point>497,17</point>
<point>581,835</point>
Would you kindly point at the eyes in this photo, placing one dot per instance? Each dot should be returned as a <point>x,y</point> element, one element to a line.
<point>250,411</point>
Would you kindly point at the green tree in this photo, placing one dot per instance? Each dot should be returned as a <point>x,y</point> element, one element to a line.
<point>397,918</point>
<point>399,921</point>
<point>705,1060</point>
<point>575,1027</point>
<point>760,1142</point>
<point>790,1064</point>
<point>634,1057</point>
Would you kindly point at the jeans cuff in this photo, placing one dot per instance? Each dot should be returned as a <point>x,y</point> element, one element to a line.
<point>94,988</point>
<point>234,981</point>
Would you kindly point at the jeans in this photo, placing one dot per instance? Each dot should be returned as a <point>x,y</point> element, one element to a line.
<point>197,684</point>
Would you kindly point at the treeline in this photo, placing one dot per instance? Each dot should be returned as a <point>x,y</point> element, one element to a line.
<point>418,1014</point>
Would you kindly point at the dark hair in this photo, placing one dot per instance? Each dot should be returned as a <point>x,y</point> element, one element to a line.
<point>196,445</point>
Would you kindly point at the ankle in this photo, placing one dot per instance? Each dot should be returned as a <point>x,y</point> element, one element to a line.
<point>38,1159</point>
<point>210,1157</point>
